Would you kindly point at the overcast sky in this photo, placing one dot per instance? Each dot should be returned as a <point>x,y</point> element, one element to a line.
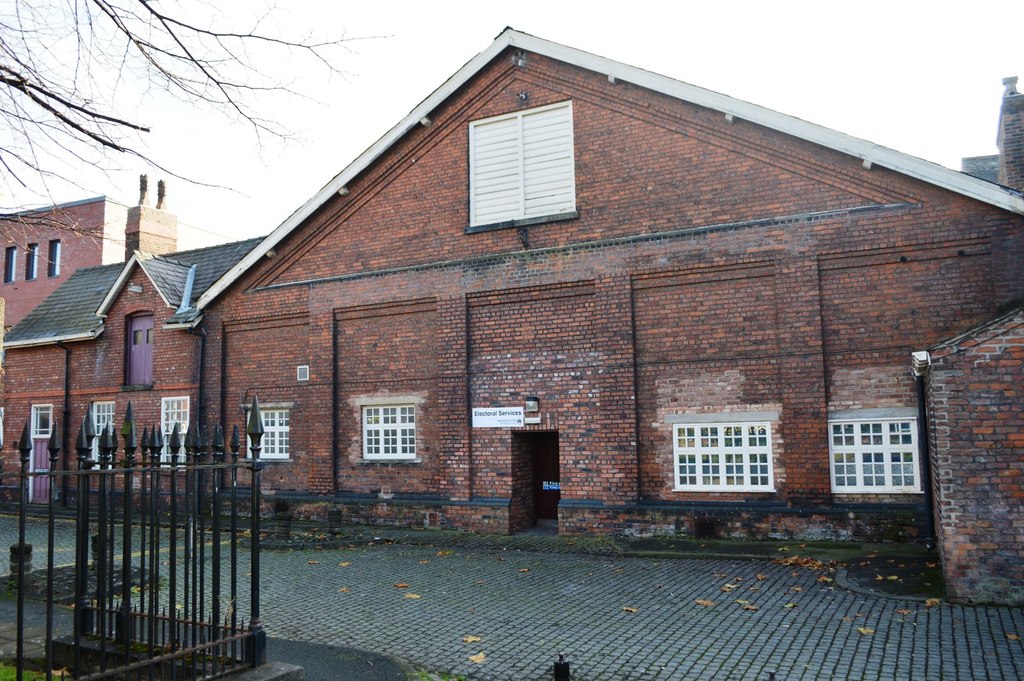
<point>923,78</point>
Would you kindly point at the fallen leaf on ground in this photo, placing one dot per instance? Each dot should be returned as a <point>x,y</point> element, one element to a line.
<point>479,582</point>
<point>478,658</point>
<point>783,548</point>
<point>413,596</point>
<point>1013,637</point>
<point>753,588</point>
<point>344,563</point>
<point>400,585</point>
<point>628,608</point>
<point>470,639</point>
<point>344,590</point>
<point>524,569</point>
<point>931,565</point>
<point>931,602</point>
<point>894,578</point>
<point>444,552</point>
<point>750,608</point>
<point>789,605</point>
<point>825,579</point>
<point>718,574</point>
<point>741,601</point>
<point>903,611</point>
<point>879,578</point>
<point>424,562</point>
<point>847,618</point>
<point>796,589</point>
<point>313,562</point>
<point>761,577</point>
<point>865,630</point>
<point>705,602</point>
<point>727,587</point>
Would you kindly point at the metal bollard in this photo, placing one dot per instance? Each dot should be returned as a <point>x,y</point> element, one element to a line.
<point>562,668</point>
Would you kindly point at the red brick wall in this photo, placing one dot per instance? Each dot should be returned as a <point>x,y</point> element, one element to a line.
<point>84,230</point>
<point>35,375</point>
<point>976,400</point>
<point>714,267</point>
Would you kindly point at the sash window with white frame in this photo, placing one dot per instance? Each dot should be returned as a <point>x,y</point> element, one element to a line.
<point>877,455</point>
<point>276,442</point>
<point>102,416</point>
<point>389,432</point>
<point>521,165</point>
<point>173,410</point>
<point>724,457</point>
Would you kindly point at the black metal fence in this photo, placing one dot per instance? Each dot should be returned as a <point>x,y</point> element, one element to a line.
<point>164,594</point>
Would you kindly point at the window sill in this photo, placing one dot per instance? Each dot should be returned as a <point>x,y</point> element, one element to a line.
<point>136,388</point>
<point>373,462</point>
<point>876,490</point>
<point>726,490</point>
<point>522,222</point>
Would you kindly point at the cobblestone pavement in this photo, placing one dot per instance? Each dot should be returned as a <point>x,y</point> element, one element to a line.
<point>527,607</point>
<point>622,618</point>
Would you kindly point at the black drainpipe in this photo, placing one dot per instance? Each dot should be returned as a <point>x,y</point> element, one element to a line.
<point>920,371</point>
<point>200,396</point>
<point>65,423</point>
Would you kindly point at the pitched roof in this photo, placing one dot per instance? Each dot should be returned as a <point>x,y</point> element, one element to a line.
<point>933,173</point>
<point>69,313</point>
<point>75,311</point>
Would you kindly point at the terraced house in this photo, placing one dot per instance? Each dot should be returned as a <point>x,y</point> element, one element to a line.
<point>565,291</point>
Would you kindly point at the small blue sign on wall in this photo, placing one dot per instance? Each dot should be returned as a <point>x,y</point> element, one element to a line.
<point>549,485</point>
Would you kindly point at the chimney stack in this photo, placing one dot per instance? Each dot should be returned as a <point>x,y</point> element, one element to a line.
<point>1011,136</point>
<point>150,230</point>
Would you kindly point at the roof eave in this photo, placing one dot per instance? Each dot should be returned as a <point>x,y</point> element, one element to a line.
<point>53,340</point>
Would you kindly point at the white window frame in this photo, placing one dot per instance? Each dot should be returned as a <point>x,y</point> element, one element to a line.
<point>864,449</point>
<point>526,197</point>
<point>37,432</point>
<point>171,407</point>
<point>727,456</point>
<point>389,432</point>
<point>276,442</point>
<point>31,262</point>
<point>102,414</point>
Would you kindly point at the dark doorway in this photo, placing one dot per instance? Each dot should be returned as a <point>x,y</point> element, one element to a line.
<point>538,485</point>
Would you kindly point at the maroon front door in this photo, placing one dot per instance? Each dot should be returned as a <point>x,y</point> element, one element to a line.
<point>546,481</point>
<point>140,350</point>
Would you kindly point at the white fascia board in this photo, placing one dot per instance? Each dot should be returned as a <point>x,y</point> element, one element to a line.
<point>362,162</point>
<point>119,283</point>
<point>185,325</point>
<point>138,258</point>
<point>142,263</point>
<point>53,340</point>
<point>927,171</point>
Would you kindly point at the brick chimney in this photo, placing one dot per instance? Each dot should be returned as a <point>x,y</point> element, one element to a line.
<point>1011,136</point>
<point>150,230</point>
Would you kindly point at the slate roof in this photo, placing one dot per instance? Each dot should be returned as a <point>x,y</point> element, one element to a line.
<point>70,311</point>
<point>73,311</point>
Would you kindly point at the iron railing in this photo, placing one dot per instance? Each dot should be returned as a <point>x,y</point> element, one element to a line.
<point>164,595</point>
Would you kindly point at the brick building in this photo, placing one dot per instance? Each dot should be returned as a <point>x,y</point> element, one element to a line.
<point>43,247</point>
<point>564,291</point>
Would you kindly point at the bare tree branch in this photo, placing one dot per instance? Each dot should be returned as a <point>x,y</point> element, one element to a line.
<point>74,74</point>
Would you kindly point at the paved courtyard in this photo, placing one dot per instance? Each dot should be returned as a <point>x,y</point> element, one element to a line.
<point>626,618</point>
<point>494,614</point>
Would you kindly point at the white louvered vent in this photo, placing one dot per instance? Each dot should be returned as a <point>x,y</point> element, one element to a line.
<point>521,165</point>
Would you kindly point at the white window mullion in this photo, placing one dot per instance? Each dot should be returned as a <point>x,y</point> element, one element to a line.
<point>723,457</point>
